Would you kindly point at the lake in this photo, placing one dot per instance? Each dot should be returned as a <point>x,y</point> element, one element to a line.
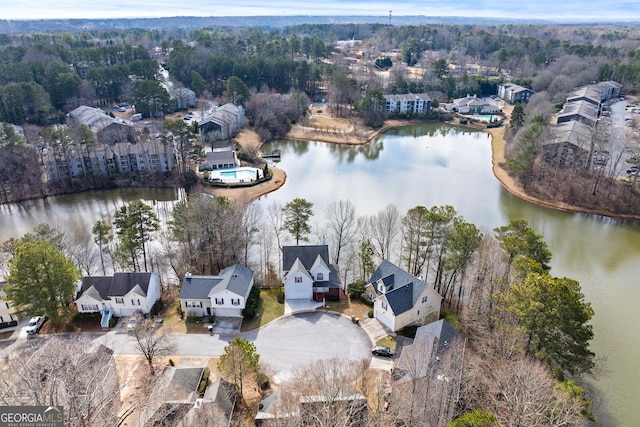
<point>435,165</point>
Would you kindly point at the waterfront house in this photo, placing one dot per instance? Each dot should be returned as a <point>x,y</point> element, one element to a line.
<point>401,299</point>
<point>309,274</point>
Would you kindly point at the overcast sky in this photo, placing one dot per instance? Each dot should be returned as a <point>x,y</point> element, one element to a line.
<point>564,10</point>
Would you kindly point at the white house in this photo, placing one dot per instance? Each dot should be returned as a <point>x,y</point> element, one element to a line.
<point>224,295</point>
<point>309,275</point>
<point>119,295</point>
<point>7,311</point>
<point>400,299</point>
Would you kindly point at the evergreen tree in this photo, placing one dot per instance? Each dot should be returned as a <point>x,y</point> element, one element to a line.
<point>41,280</point>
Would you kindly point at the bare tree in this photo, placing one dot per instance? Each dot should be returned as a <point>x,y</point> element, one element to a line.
<point>71,372</point>
<point>275,218</point>
<point>341,217</point>
<point>152,342</point>
<point>81,249</point>
<point>384,228</point>
<point>326,393</point>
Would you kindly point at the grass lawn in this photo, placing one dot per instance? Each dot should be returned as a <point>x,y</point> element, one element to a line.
<point>387,342</point>
<point>326,122</point>
<point>349,307</point>
<point>268,310</point>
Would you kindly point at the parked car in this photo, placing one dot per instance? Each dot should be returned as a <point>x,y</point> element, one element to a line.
<point>34,325</point>
<point>134,321</point>
<point>380,350</point>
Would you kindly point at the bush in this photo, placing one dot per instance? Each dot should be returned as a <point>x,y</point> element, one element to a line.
<point>263,381</point>
<point>202,387</point>
<point>8,324</point>
<point>88,316</point>
<point>171,363</point>
<point>365,299</point>
<point>370,314</point>
<point>356,289</point>
<point>157,308</point>
<point>253,303</point>
<point>113,322</point>
<point>281,297</point>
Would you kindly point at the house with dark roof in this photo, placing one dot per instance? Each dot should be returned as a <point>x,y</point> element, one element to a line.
<point>223,295</point>
<point>427,375</point>
<point>513,93</point>
<point>309,274</point>
<point>119,295</point>
<point>401,299</point>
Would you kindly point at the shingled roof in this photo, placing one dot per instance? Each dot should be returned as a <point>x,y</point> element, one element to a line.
<point>236,278</point>
<point>405,289</point>
<point>117,285</point>
<point>307,255</point>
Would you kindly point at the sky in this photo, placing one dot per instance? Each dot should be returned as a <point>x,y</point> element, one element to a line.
<point>565,10</point>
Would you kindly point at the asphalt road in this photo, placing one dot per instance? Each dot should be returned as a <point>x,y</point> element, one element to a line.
<point>285,344</point>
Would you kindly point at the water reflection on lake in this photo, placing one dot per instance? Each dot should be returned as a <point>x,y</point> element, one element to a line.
<point>435,165</point>
<point>81,210</point>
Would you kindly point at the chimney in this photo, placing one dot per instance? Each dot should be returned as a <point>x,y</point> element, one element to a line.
<point>188,276</point>
<point>324,239</point>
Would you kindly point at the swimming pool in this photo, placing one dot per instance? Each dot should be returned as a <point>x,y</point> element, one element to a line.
<point>243,174</point>
<point>489,118</point>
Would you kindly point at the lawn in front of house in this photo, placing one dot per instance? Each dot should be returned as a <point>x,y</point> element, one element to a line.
<point>349,307</point>
<point>269,309</point>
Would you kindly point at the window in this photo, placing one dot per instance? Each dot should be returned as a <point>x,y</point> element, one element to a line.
<point>119,300</point>
<point>89,307</point>
<point>219,301</point>
<point>384,306</point>
<point>424,299</point>
<point>194,304</point>
<point>418,312</point>
<point>135,302</point>
<point>320,276</point>
<point>298,279</point>
<point>235,301</point>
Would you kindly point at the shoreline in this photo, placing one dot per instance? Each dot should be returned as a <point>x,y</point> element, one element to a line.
<point>497,159</point>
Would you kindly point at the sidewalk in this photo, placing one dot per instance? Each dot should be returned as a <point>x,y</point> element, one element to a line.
<point>375,329</point>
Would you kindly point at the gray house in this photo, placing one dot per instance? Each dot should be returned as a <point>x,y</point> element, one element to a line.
<point>223,295</point>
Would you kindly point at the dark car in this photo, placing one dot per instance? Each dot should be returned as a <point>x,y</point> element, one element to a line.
<point>381,350</point>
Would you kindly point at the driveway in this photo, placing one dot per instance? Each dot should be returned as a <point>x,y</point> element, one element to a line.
<point>296,341</point>
<point>284,344</point>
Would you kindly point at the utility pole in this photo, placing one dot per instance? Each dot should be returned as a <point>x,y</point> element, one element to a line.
<point>389,17</point>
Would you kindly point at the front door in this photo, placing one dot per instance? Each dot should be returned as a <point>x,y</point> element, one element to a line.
<point>208,311</point>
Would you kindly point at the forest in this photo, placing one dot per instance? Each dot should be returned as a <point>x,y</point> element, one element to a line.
<point>493,281</point>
